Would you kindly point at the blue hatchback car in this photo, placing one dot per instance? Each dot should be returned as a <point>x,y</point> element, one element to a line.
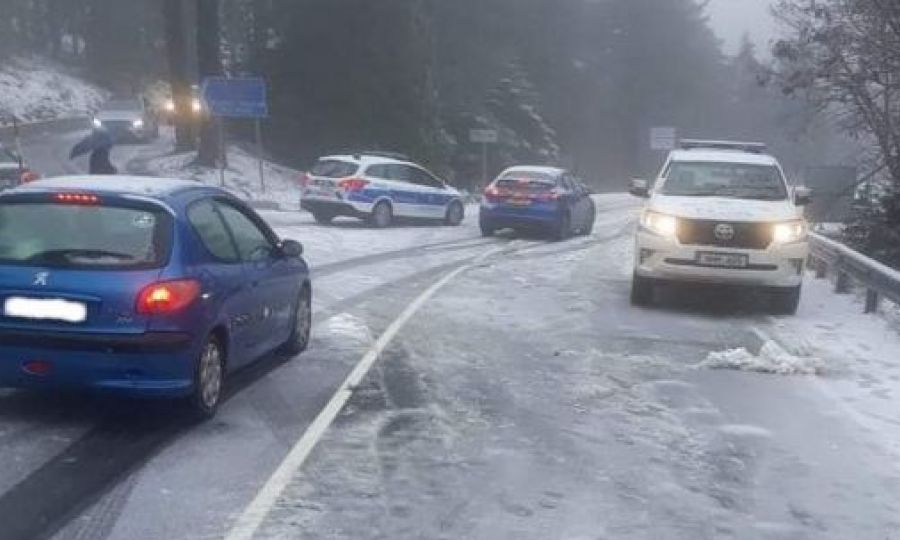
<point>543,199</point>
<point>142,286</point>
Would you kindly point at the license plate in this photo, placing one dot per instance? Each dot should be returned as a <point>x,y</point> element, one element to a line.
<point>520,202</point>
<point>45,309</point>
<point>723,260</point>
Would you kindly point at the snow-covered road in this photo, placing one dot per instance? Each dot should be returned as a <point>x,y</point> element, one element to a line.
<point>527,399</point>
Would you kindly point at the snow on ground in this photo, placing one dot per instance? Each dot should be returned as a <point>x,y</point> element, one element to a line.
<point>281,190</point>
<point>34,89</point>
<point>772,358</point>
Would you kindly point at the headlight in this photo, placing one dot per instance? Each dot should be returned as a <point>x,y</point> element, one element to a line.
<point>137,124</point>
<point>661,224</point>
<point>792,231</point>
<point>170,106</point>
<point>196,105</point>
<point>97,123</point>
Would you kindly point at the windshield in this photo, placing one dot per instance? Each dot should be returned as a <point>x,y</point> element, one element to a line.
<point>734,180</point>
<point>86,237</point>
<point>122,105</point>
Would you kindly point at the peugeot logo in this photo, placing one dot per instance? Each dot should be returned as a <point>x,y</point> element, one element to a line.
<point>724,232</point>
<point>40,279</point>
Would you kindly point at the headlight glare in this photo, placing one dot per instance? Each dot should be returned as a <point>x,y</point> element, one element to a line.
<point>97,123</point>
<point>661,224</point>
<point>792,231</point>
<point>138,124</point>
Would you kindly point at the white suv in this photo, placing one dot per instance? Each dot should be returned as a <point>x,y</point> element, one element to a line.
<point>721,213</point>
<point>378,187</point>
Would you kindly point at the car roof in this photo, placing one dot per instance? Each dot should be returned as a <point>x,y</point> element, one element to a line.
<point>158,188</point>
<point>551,171</point>
<point>722,156</point>
<point>365,160</point>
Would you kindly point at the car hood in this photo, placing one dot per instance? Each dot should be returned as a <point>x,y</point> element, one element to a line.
<point>725,208</point>
<point>119,115</point>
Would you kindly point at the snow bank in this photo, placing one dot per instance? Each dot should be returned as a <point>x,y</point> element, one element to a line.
<point>34,89</point>
<point>282,188</point>
<point>772,358</point>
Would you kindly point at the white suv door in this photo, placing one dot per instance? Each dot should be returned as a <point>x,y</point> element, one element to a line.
<point>432,196</point>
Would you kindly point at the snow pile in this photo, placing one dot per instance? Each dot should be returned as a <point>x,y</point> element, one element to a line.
<point>282,187</point>
<point>772,358</point>
<point>34,89</point>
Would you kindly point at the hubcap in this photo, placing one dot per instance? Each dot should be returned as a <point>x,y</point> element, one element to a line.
<point>210,375</point>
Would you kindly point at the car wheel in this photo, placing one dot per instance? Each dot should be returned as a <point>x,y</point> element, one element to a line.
<point>486,228</point>
<point>455,214</point>
<point>642,291</point>
<point>564,227</point>
<point>323,218</point>
<point>786,302</point>
<point>382,215</point>
<point>592,218</point>
<point>302,325</point>
<point>209,377</point>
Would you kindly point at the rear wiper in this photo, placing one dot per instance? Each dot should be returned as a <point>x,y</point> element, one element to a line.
<point>68,254</point>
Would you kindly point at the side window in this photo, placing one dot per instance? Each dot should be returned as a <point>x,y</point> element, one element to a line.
<point>212,232</point>
<point>422,177</point>
<point>566,182</point>
<point>400,173</point>
<point>379,171</point>
<point>253,244</point>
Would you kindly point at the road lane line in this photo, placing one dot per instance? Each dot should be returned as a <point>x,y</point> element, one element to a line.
<point>253,516</point>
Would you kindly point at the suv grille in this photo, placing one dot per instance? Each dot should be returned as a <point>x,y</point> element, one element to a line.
<point>697,232</point>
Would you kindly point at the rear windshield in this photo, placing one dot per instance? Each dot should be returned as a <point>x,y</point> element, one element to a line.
<point>332,168</point>
<point>79,236</point>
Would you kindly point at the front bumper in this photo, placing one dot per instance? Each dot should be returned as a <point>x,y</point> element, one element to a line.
<point>155,364</point>
<point>665,259</point>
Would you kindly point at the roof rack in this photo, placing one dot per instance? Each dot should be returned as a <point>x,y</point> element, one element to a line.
<point>750,147</point>
<point>382,154</point>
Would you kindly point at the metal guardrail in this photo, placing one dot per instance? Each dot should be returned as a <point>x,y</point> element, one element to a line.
<point>880,281</point>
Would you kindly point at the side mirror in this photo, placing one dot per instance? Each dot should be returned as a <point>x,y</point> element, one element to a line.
<point>291,249</point>
<point>640,188</point>
<point>802,196</point>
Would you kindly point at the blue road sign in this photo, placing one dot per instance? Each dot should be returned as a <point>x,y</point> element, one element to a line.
<point>235,98</point>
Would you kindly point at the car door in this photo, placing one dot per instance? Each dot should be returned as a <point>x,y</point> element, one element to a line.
<point>403,192</point>
<point>222,272</point>
<point>431,197</point>
<point>273,279</point>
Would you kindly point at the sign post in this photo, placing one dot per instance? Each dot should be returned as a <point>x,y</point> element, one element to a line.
<point>244,97</point>
<point>484,137</point>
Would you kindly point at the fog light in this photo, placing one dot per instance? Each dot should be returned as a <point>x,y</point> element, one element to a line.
<point>37,367</point>
<point>645,254</point>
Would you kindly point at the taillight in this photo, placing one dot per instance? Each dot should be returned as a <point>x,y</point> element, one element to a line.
<point>304,179</point>
<point>353,184</point>
<point>167,296</point>
<point>29,176</point>
<point>76,198</point>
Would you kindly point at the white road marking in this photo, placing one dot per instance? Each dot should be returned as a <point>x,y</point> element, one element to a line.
<point>252,517</point>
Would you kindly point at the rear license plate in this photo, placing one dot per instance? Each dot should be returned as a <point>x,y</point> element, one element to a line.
<point>520,202</point>
<point>723,260</point>
<point>45,309</point>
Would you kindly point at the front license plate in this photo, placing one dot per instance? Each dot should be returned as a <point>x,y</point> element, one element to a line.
<point>723,260</point>
<point>45,309</point>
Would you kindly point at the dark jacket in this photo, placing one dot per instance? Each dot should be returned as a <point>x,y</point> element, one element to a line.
<point>100,164</point>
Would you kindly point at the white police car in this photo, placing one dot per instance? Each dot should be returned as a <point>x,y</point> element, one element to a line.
<point>378,187</point>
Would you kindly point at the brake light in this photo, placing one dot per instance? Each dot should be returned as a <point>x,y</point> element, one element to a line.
<point>304,179</point>
<point>492,191</point>
<point>76,198</point>
<point>353,184</point>
<point>167,296</point>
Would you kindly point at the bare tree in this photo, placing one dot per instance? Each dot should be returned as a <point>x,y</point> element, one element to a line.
<point>179,73</point>
<point>209,60</point>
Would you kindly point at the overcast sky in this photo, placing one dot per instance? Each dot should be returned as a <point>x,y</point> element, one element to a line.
<point>731,19</point>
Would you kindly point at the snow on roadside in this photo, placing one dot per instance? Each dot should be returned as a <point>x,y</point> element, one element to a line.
<point>35,89</point>
<point>281,189</point>
<point>772,358</point>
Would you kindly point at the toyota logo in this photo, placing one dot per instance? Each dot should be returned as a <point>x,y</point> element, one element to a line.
<point>724,232</point>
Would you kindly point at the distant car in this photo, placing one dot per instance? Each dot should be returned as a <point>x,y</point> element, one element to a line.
<point>144,287</point>
<point>537,199</point>
<point>13,170</point>
<point>197,110</point>
<point>127,120</point>
<point>379,188</point>
<point>721,213</point>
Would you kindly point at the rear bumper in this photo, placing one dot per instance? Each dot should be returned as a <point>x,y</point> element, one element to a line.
<point>663,259</point>
<point>157,364</point>
<point>500,216</point>
<point>336,207</point>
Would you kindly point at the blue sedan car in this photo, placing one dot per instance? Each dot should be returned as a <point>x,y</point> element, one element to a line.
<point>542,199</point>
<point>145,287</point>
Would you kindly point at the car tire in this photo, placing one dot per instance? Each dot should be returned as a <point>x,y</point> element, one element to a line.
<point>642,291</point>
<point>487,229</point>
<point>564,227</point>
<point>592,218</point>
<point>456,213</point>
<point>382,215</point>
<point>786,302</point>
<point>323,218</point>
<point>301,325</point>
<point>209,378</point>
